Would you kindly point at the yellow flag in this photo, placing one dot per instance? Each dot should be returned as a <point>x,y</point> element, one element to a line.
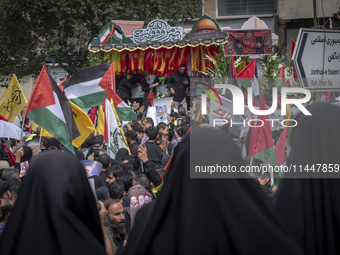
<point>45,133</point>
<point>83,122</point>
<point>34,125</point>
<point>13,101</point>
<point>100,129</point>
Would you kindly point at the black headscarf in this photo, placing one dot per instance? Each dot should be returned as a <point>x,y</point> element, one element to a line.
<point>121,154</point>
<point>210,216</point>
<point>27,154</point>
<point>56,212</point>
<point>311,207</point>
<point>98,182</point>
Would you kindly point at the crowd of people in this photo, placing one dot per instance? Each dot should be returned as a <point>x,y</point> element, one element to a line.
<point>144,202</point>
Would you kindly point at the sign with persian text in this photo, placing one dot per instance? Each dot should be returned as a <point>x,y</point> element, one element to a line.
<point>316,59</point>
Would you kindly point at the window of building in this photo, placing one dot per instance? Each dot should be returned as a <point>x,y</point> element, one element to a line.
<point>246,7</point>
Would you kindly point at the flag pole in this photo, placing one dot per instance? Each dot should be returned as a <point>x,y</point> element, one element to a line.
<point>39,144</point>
<point>251,162</point>
<point>22,131</point>
<point>120,127</point>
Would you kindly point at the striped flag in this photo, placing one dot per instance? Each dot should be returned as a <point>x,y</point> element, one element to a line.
<point>247,78</point>
<point>261,144</point>
<point>49,108</point>
<point>61,84</point>
<point>104,34</point>
<point>117,33</point>
<point>83,122</point>
<point>115,139</point>
<point>87,87</point>
<point>125,113</point>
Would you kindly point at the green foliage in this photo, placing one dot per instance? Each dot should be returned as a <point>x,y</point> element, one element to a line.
<point>271,65</point>
<point>220,68</point>
<point>95,59</point>
<point>36,32</point>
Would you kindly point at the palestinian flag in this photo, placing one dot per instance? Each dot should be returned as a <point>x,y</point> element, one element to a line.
<point>61,84</point>
<point>247,78</point>
<point>116,32</point>
<point>49,108</point>
<point>125,113</point>
<point>104,34</point>
<point>88,87</point>
<point>261,144</point>
<point>150,97</point>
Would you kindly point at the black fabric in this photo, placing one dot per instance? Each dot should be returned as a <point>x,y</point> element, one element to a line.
<point>79,154</point>
<point>27,154</point>
<point>121,154</point>
<point>124,88</point>
<point>210,216</point>
<point>165,159</point>
<point>134,148</point>
<point>146,85</point>
<point>102,193</point>
<point>56,212</point>
<point>98,182</point>
<point>53,142</point>
<point>152,174</point>
<point>154,152</point>
<point>102,175</point>
<point>126,201</point>
<point>311,207</point>
<point>176,82</point>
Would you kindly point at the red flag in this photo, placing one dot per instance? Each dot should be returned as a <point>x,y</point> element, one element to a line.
<point>282,73</point>
<point>11,156</point>
<point>106,135</point>
<point>61,84</point>
<point>293,47</point>
<point>150,96</point>
<point>261,140</point>
<point>292,51</point>
<point>3,118</point>
<point>328,96</point>
<point>280,147</point>
<point>93,114</point>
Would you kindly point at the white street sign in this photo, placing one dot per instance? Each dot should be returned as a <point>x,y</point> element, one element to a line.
<point>316,59</point>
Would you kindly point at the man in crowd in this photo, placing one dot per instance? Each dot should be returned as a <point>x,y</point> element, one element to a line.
<point>155,153</point>
<point>112,173</point>
<point>105,160</point>
<point>116,229</point>
<point>178,83</point>
<point>117,192</point>
<point>131,137</point>
<point>148,83</point>
<point>148,122</point>
<point>125,86</point>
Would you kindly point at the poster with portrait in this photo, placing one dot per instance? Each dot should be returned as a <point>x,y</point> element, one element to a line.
<point>162,114</point>
<point>91,167</point>
<point>23,168</point>
<point>138,198</point>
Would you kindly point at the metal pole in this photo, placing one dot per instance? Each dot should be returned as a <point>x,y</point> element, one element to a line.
<point>39,145</point>
<point>315,21</point>
<point>251,162</point>
<point>22,131</point>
